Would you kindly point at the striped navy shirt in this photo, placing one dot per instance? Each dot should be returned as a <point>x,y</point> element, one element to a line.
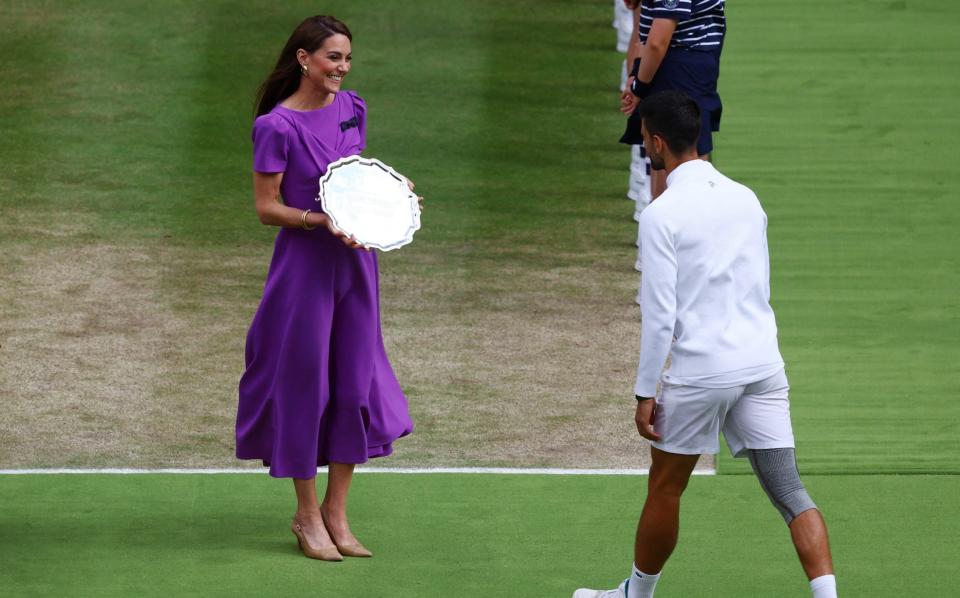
<point>700,23</point>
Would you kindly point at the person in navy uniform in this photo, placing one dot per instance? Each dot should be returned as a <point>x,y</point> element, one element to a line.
<point>681,42</point>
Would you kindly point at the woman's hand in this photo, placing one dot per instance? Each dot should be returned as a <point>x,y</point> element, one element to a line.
<point>348,240</point>
<point>411,186</point>
<point>270,209</point>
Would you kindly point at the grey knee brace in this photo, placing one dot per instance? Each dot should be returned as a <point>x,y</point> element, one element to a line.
<point>777,471</point>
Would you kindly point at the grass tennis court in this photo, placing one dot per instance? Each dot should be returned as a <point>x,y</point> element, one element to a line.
<point>468,535</point>
<point>131,262</point>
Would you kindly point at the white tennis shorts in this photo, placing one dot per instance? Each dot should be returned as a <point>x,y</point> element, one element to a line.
<point>689,419</point>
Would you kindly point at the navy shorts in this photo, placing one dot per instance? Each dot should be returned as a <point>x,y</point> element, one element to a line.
<point>694,73</point>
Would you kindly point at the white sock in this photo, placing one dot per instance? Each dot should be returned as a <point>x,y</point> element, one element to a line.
<point>824,586</point>
<point>641,584</point>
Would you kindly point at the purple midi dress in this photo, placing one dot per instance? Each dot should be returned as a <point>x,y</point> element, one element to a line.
<point>318,386</point>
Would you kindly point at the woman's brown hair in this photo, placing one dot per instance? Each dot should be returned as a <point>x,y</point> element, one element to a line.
<point>285,78</point>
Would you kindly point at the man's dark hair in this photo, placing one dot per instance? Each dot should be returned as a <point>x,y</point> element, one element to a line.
<point>674,117</point>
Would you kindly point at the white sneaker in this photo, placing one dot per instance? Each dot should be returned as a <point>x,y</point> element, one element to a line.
<point>618,592</point>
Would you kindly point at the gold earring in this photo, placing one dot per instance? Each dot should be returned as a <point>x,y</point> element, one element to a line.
<point>304,68</point>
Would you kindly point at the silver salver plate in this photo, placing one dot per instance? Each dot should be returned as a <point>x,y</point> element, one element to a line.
<point>369,200</point>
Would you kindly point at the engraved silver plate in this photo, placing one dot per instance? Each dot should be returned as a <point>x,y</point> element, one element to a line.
<point>371,201</point>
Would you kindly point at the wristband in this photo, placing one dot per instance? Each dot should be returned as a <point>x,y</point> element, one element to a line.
<point>642,399</point>
<point>636,68</point>
<point>639,88</point>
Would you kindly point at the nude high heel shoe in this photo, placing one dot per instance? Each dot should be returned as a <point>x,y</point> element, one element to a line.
<point>330,553</point>
<point>356,550</point>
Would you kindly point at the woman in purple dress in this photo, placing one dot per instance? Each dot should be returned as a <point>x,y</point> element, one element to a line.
<point>318,388</point>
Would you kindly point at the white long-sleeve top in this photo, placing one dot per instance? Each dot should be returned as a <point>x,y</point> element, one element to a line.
<point>705,291</point>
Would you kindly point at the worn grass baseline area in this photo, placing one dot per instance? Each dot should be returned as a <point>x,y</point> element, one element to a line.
<point>509,321</point>
<point>131,260</point>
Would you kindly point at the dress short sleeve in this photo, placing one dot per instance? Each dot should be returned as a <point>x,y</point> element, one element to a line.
<point>360,111</point>
<point>270,143</point>
<point>676,10</point>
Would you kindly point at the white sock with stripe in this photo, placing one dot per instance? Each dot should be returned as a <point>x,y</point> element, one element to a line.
<point>824,586</point>
<point>641,584</point>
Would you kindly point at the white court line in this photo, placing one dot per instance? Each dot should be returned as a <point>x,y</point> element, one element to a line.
<point>405,470</point>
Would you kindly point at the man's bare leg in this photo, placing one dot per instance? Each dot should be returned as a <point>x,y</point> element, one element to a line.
<point>660,521</point>
<point>809,534</point>
<point>776,469</point>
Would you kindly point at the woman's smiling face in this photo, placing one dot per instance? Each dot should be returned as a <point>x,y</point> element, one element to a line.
<point>328,65</point>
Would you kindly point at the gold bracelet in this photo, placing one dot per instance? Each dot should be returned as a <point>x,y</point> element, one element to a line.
<point>303,220</point>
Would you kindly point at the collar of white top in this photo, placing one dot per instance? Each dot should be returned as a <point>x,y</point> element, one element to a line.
<point>688,170</point>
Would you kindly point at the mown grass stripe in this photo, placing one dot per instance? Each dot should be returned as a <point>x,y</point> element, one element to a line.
<point>459,535</point>
<point>394,470</point>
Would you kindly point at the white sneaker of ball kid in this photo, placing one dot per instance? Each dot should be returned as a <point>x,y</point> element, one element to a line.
<point>618,592</point>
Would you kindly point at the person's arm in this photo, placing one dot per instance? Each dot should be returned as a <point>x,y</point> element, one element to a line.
<point>766,259</point>
<point>272,212</point>
<point>652,53</point>
<point>658,300</point>
<point>646,412</point>
<point>658,308</point>
<point>628,101</point>
<point>633,51</point>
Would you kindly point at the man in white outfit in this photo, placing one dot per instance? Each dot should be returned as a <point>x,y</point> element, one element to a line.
<point>705,301</point>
